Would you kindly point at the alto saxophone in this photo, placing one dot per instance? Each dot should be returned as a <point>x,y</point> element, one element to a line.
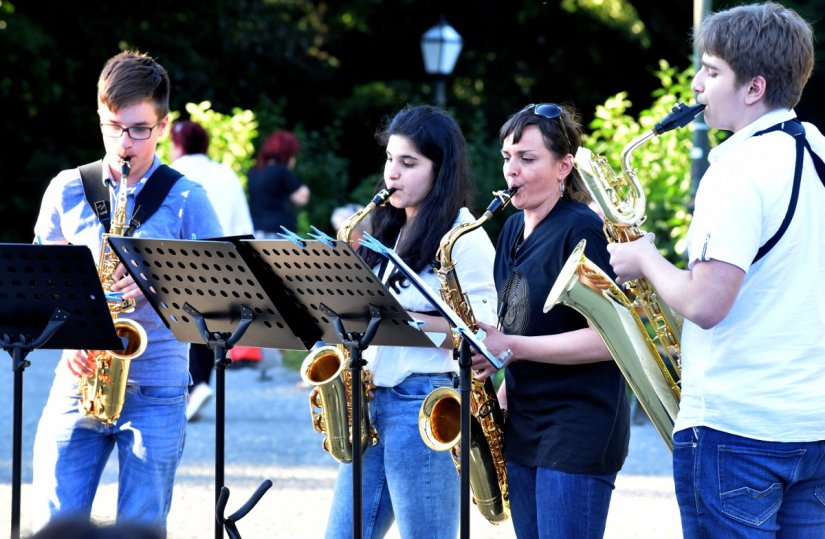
<point>650,361</point>
<point>439,417</point>
<point>102,394</point>
<point>327,369</point>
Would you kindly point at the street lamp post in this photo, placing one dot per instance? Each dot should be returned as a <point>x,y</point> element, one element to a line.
<point>701,144</point>
<point>440,47</point>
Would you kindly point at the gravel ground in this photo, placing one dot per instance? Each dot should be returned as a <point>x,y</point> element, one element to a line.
<point>269,436</point>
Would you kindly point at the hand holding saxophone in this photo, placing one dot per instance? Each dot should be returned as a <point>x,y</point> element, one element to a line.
<point>496,343</point>
<point>628,258</point>
<point>125,284</point>
<point>80,363</point>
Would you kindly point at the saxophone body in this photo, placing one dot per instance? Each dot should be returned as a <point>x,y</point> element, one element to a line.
<point>326,370</point>
<point>650,360</point>
<point>102,395</point>
<point>439,417</point>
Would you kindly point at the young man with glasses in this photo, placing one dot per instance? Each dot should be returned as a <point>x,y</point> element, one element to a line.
<point>568,420</point>
<point>71,449</point>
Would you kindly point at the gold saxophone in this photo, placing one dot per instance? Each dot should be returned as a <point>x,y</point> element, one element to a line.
<point>327,369</point>
<point>649,360</point>
<point>440,414</point>
<point>102,394</point>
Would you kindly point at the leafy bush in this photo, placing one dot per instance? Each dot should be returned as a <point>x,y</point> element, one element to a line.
<point>233,140</point>
<point>230,136</point>
<point>663,164</point>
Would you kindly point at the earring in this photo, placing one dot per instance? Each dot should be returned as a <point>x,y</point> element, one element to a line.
<point>561,189</point>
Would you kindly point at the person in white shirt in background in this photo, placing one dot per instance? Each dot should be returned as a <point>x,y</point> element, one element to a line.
<point>190,143</point>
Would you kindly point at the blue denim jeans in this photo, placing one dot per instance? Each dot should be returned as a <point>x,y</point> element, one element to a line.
<point>71,451</point>
<point>730,486</point>
<point>402,478</point>
<point>547,504</point>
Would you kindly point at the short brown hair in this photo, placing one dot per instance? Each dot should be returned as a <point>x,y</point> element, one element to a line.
<point>762,39</point>
<point>130,78</point>
<point>561,135</point>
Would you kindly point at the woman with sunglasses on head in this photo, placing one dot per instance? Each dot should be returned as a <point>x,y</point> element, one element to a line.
<point>568,423</point>
<point>404,480</point>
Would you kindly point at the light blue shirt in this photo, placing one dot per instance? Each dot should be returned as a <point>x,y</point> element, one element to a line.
<point>66,217</point>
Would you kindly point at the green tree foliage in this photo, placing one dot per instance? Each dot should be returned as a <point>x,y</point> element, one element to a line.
<point>329,71</point>
<point>662,165</point>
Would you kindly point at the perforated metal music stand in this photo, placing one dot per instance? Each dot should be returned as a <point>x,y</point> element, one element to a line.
<point>289,294</point>
<point>50,297</point>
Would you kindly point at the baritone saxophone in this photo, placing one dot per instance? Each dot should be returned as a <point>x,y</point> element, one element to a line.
<point>649,360</point>
<point>327,370</point>
<point>102,395</point>
<point>439,418</point>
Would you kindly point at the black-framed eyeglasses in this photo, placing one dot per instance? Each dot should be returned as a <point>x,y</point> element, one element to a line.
<point>136,132</point>
<point>551,111</point>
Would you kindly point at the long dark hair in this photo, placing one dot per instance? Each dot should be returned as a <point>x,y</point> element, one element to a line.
<point>435,135</point>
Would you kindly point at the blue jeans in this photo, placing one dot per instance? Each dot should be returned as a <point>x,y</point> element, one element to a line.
<point>730,486</point>
<point>403,479</point>
<point>71,451</point>
<point>547,504</point>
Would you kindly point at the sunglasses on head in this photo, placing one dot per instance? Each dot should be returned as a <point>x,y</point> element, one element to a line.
<point>550,111</point>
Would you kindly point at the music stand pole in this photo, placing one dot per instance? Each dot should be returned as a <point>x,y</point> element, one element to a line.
<point>220,342</point>
<point>355,343</point>
<point>465,380</point>
<point>19,348</point>
<point>40,281</point>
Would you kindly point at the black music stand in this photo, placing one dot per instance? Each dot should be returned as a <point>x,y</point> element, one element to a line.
<point>267,293</point>
<point>205,292</point>
<point>331,286</point>
<point>50,297</point>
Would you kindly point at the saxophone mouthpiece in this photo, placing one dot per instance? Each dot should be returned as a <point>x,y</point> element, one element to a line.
<point>382,196</point>
<point>125,166</point>
<point>500,200</point>
<point>680,116</point>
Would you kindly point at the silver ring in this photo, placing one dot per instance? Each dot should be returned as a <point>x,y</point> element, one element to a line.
<point>506,356</point>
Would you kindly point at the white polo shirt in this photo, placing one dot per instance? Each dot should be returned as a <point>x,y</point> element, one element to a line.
<point>759,372</point>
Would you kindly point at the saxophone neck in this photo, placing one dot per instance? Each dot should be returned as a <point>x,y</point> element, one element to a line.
<point>679,116</point>
<point>445,248</point>
<point>346,230</point>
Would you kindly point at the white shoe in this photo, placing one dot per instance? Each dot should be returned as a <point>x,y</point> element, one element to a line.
<point>197,397</point>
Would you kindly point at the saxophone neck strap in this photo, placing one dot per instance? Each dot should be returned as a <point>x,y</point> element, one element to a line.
<point>147,202</point>
<point>795,129</point>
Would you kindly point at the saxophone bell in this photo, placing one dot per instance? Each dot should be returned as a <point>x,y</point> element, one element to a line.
<point>583,286</point>
<point>649,360</point>
<point>326,370</point>
<point>440,428</point>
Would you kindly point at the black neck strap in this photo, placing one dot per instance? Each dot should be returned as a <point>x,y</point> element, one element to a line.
<point>148,200</point>
<point>795,129</point>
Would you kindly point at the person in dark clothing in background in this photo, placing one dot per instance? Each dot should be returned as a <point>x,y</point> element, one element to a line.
<point>274,190</point>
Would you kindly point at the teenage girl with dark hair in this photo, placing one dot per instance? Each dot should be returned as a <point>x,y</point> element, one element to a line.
<point>403,479</point>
